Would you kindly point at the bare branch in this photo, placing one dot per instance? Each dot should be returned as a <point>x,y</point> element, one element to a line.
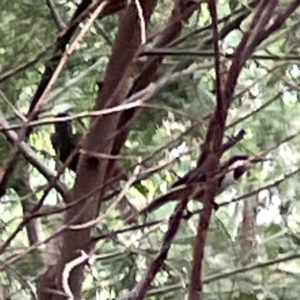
<point>55,15</point>
<point>139,292</point>
<point>32,158</point>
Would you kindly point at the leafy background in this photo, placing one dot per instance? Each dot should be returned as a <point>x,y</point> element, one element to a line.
<point>242,262</point>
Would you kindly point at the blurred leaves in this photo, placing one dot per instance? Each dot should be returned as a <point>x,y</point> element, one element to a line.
<point>266,106</point>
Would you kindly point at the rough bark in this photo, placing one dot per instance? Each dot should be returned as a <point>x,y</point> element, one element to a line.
<point>92,171</point>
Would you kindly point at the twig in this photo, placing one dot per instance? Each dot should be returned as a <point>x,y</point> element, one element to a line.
<point>32,158</point>
<point>233,140</point>
<point>139,292</point>
<point>213,143</point>
<point>55,16</point>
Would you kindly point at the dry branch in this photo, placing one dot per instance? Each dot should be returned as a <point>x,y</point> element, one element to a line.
<point>251,39</point>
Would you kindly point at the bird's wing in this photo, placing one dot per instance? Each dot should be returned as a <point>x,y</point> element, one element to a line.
<point>53,139</point>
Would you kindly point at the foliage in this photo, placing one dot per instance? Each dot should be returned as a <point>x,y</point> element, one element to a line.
<point>266,106</point>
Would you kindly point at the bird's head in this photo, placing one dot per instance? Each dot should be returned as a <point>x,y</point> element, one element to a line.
<point>62,126</point>
<point>233,169</point>
<point>243,163</point>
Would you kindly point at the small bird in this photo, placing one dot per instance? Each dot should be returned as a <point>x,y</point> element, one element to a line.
<point>229,173</point>
<point>64,141</point>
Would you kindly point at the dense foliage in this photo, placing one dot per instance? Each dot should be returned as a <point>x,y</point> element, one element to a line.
<point>252,247</point>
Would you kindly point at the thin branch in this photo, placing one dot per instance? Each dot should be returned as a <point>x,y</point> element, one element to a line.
<point>139,292</point>
<point>242,12</point>
<point>233,140</point>
<point>218,72</point>
<point>238,58</point>
<point>231,273</point>
<point>55,16</point>
<point>83,258</point>
<point>32,158</point>
<point>213,144</point>
<point>10,73</point>
<point>205,54</point>
<point>254,112</point>
<point>142,22</point>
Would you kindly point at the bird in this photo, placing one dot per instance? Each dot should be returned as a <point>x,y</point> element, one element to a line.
<point>193,183</point>
<point>230,171</point>
<point>63,141</point>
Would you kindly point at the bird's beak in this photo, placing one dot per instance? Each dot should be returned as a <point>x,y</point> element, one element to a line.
<point>248,164</point>
<point>253,161</point>
<point>256,160</point>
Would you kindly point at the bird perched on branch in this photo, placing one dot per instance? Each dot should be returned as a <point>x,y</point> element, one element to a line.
<point>229,173</point>
<point>64,141</point>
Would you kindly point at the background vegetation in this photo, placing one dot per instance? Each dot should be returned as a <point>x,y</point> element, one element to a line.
<point>176,72</point>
